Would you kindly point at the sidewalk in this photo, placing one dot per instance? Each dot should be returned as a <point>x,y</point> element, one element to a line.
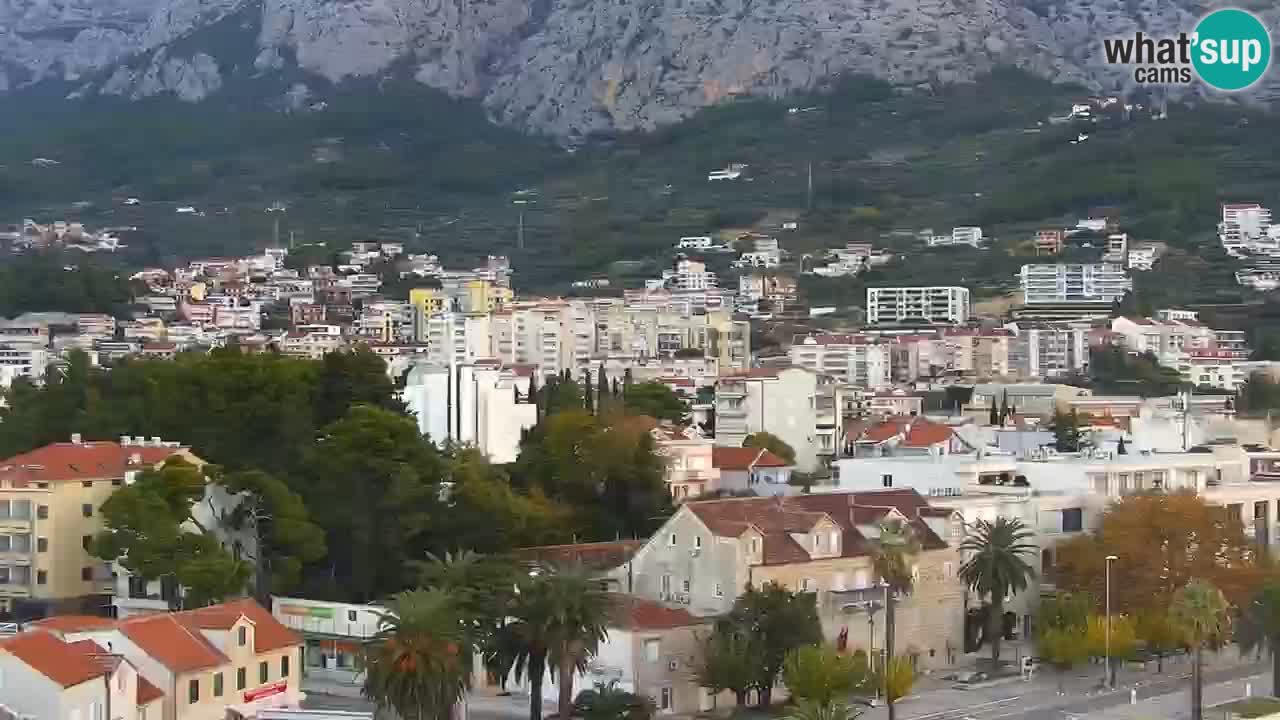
<point>1177,705</point>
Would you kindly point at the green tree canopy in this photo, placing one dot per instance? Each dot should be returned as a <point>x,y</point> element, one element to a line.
<point>655,400</point>
<point>149,529</point>
<point>778,620</point>
<point>419,663</point>
<point>772,443</point>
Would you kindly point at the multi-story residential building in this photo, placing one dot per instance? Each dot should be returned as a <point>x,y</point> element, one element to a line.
<point>1042,350</point>
<point>145,329</point>
<point>709,550</point>
<point>971,236</point>
<point>690,469</point>
<point>1168,340</point>
<point>386,321</point>
<point>1143,256</point>
<point>905,305</point>
<point>96,325</point>
<point>480,403</point>
<point>1243,226</point>
<point>1223,369</point>
<point>229,657</point>
<point>46,677</point>
<point>861,360</point>
<point>1049,242</point>
<point>982,353</point>
<point>781,402</point>
<point>689,274</point>
<point>22,360</point>
<point>50,500</point>
<point>312,341</point>
<point>1081,283</point>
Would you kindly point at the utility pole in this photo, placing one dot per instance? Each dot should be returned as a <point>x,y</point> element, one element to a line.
<point>809,195</point>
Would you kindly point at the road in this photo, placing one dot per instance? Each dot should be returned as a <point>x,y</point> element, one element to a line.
<point>1039,700</point>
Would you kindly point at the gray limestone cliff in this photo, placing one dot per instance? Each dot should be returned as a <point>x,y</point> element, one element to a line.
<point>570,67</point>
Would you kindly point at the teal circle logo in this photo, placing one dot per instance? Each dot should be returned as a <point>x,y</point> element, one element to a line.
<point>1231,49</point>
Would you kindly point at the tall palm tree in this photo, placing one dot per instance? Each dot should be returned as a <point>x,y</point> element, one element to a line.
<point>892,558</point>
<point>419,662</point>
<point>557,619</point>
<point>1201,611</point>
<point>997,566</point>
<point>1259,625</point>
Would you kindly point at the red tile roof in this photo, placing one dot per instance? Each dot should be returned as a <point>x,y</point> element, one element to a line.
<point>634,613</point>
<point>268,632</point>
<point>915,432</point>
<point>734,458</point>
<point>147,692</point>
<point>68,664</point>
<point>73,623</point>
<point>776,518</point>
<point>599,555</point>
<point>178,647</point>
<point>80,461</point>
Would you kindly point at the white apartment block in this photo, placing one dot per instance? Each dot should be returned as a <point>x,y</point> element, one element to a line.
<point>859,360</point>
<point>894,305</point>
<point>386,321</point>
<point>1168,340</point>
<point>1143,256</point>
<point>1084,283</point>
<point>456,338</point>
<point>473,404</point>
<point>1040,350</point>
<point>312,341</point>
<point>22,360</point>
<point>782,402</point>
<point>1246,226</point>
<point>971,236</point>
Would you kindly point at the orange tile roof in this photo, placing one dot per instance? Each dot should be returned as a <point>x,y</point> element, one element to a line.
<point>744,458</point>
<point>776,518</point>
<point>268,632</point>
<point>147,692</point>
<point>68,664</point>
<point>598,555</point>
<point>636,613</point>
<point>175,640</point>
<point>79,461</point>
<point>924,433</point>
<point>73,623</point>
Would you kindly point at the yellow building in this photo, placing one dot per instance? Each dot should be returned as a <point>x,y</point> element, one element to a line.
<point>50,509</point>
<point>427,300</point>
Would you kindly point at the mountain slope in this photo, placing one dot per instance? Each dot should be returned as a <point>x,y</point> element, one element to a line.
<point>573,67</point>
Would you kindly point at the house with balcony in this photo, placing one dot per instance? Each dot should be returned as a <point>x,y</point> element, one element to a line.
<point>690,469</point>
<point>778,401</point>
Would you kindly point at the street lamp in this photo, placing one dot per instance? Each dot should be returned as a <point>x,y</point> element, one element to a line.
<point>1107,669</point>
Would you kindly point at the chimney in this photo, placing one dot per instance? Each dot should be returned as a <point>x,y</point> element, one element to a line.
<point>75,438</point>
<point>156,442</point>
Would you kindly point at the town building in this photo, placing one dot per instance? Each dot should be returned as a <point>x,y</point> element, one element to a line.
<point>913,305</point>
<point>333,635</point>
<point>754,470</point>
<point>45,676</point>
<point>778,401</point>
<point>690,470</point>
<point>230,657</point>
<point>709,550</point>
<point>1049,242</point>
<point>1074,283</point>
<point>485,404</point>
<point>861,360</point>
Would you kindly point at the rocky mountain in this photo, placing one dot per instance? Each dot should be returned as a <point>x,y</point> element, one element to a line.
<point>566,67</point>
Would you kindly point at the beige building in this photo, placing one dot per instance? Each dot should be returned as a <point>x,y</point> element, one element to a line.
<point>690,462</point>
<point>207,662</point>
<point>705,553</point>
<point>44,676</point>
<point>50,503</point>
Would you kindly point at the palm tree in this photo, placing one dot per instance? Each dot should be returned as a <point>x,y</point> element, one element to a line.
<point>891,559</point>
<point>419,662</point>
<point>997,567</point>
<point>610,702</point>
<point>814,710</point>
<point>557,620</point>
<point>1259,626</point>
<point>481,585</point>
<point>1201,611</point>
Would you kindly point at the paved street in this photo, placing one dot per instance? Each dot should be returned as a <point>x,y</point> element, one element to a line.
<point>1159,697</point>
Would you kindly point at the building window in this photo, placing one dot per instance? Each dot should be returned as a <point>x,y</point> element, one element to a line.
<point>240,678</point>
<point>684,586</point>
<point>664,700</point>
<point>42,512</point>
<point>284,666</point>
<point>886,480</point>
<point>42,577</point>
<point>697,542</point>
<point>652,648</point>
<point>86,483</point>
<point>86,573</point>
<point>86,541</point>
<point>193,691</point>
<point>264,671</point>
<point>117,483</point>
<point>755,546</point>
<point>242,635</point>
<point>719,590</point>
<point>42,544</point>
<point>351,616</point>
<point>671,540</point>
<point>217,684</point>
<point>1072,520</point>
<point>86,510</point>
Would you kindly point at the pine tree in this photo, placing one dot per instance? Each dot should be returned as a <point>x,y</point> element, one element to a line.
<point>588,401</point>
<point>617,390</point>
<point>626,379</point>
<point>994,418</point>
<point>602,384</point>
<point>1005,412</point>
